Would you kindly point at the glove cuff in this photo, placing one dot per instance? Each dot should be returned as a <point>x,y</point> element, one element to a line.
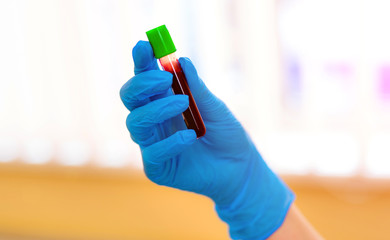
<point>261,207</point>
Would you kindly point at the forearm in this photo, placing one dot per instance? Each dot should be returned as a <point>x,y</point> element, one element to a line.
<point>295,226</point>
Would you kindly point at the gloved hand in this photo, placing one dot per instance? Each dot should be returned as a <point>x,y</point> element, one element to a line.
<point>223,165</point>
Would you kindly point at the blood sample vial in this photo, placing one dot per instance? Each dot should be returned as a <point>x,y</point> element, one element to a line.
<point>164,50</point>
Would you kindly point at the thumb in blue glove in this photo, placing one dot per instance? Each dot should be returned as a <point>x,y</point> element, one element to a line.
<point>223,165</point>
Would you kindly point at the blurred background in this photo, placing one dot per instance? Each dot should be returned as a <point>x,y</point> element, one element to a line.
<point>309,80</point>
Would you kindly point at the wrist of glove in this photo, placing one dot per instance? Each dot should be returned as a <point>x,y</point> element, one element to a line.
<point>259,209</point>
<point>223,165</point>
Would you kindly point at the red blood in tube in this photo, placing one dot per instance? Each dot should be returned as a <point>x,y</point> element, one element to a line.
<point>191,116</point>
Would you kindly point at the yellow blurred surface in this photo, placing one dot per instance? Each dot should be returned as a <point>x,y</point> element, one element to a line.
<point>103,204</point>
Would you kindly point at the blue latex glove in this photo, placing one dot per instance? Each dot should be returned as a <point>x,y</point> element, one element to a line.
<point>223,165</point>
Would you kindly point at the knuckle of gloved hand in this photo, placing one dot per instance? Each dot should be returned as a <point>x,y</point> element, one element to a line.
<point>122,91</point>
<point>129,121</point>
<point>169,109</point>
<point>154,177</point>
<point>132,122</point>
<point>131,96</point>
<point>136,124</point>
<point>162,113</point>
<point>140,83</point>
<point>133,138</point>
<point>157,110</point>
<point>153,171</point>
<point>137,92</point>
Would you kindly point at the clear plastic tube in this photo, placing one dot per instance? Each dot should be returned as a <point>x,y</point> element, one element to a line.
<point>191,116</point>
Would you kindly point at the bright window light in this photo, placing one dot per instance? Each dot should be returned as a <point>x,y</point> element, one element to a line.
<point>38,151</point>
<point>378,156</point>
<point>74,153</point>
<point>312,87</point>
<point>9,149</point>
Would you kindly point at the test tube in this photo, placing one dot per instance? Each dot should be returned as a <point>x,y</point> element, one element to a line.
<point>164,50</point>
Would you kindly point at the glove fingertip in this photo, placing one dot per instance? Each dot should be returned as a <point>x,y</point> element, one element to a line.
<point>122,93</point>
<point>143,57</point>
<point>188,136</point>
<point>182,100</point>
<point>188,66</point>
<point>196,84</point>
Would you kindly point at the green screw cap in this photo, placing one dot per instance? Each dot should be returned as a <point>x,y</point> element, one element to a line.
<point>161,41</point>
